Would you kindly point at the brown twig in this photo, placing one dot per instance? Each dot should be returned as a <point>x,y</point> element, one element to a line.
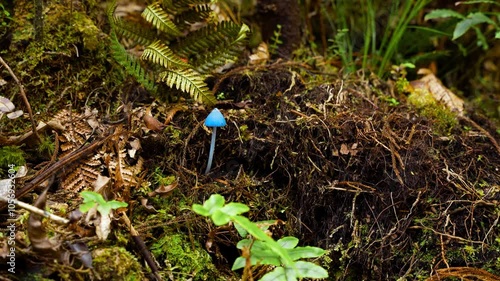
<point>23,95</point>
<point>482,130</point>
<point>139,242</point>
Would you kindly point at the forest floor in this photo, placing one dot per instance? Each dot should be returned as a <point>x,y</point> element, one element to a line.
<point>394,184</point>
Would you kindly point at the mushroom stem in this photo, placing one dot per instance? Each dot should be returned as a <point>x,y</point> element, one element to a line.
<point>212,148</point>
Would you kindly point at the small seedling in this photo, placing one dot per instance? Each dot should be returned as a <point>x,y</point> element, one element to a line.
<point>91,199</point>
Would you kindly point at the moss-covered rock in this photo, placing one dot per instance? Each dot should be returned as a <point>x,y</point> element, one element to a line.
<point>116,263</point>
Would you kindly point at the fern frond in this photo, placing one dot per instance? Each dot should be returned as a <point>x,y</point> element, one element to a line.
<point>141,34</point>
<point>132,65</point>
<point>194,14</point>
<point>207,37</point>
<point>155,15</point>
<point>161,54</point>
<point>189,82</point>
<point>221,54</point>
<point>175,6</point>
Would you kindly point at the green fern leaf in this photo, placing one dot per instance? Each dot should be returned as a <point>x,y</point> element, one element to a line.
<point>222,54</point>
<point>161,54</point>
<point>155,15</point>
<point>189,82</point>
<point>132,65</point>
<point>197,13</point>
<point>180,5</point>
<point>139,33</point>
<point>207,38</point>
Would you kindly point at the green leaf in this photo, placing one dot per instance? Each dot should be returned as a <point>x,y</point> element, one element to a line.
<point>161,54</point>
<point>256,232</point>
<point>233,209</point>
<point>200,210</point>
<point>85,207</point>
<point>310,270</point>
<point>114,204</point>
<point>263,253</point>
<point>471,20</point>
<point>155,15</point>
<point>288,242</point>
<point>241,231</point>
<point>91,199</point>
<point>105,208</point>
<point>497,35</point>
<point>214,203</point>
<point>191,82</point>
<point>90,196</point>
<point>244,243</point>
<point>219,218</point>
<point>279,274</point>
<point>240,262</point>
<point>443,13</point>
<point>305,252</point>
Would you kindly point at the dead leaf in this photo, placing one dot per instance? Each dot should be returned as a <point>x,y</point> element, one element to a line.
<point>136,145</point>
<point>15,114</point>
<point>344,150</point>
<point>261,55</point>
<point>6,105</point>
<point>37,233</point>
<point>151,122</point>
<point>100,183</point>
<point>164,190</point>
<point>172,111</point>
<point>150,208</point>
<point>82,252</point>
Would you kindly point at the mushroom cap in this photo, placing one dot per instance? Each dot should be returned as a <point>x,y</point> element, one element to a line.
<point>215,119</point>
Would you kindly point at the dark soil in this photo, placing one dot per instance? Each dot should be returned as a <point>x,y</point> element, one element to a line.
<point>343,163</point>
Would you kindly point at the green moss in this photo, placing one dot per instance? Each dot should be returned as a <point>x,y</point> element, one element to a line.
<point>443,120</point>
<point>46,146</point>
<point>186,260</point>
<point>10,157</point>
<point>116,263</point>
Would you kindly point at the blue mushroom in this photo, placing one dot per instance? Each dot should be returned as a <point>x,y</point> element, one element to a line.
<point>214,119</point>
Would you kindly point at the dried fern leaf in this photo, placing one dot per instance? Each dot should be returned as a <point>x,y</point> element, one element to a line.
<point>161,54</point>
<point>189,81</point>
<point>155,15</point>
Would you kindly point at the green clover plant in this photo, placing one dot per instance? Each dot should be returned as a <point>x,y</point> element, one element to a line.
<point>91,199</point>
<point>283,254</point>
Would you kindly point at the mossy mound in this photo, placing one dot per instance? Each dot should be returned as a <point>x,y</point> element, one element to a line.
<point>115,263</point>
<point>184,259</point>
